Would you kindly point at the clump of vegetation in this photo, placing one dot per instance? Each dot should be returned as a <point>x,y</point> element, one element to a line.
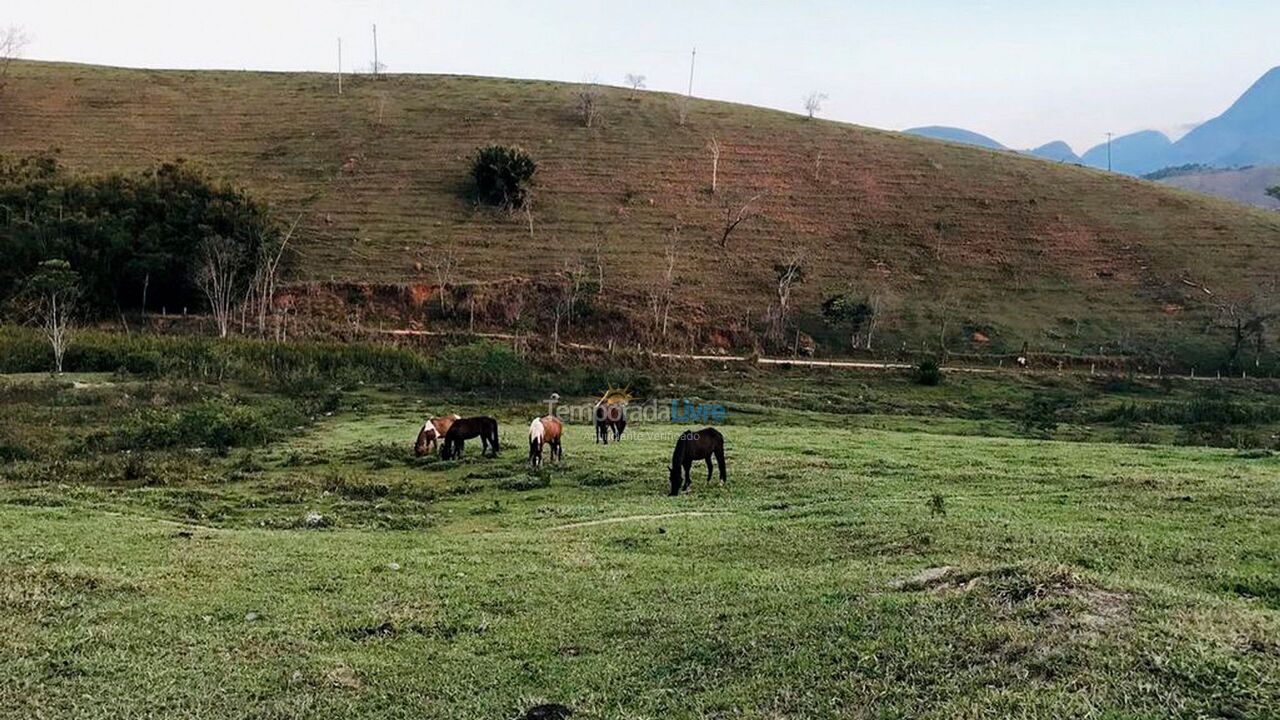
<point>928,372</point>
<point>484,364</point>
<point>503,175</point>
<point>217,424</point>
<point>1043,411</point>
<point>937,505</point>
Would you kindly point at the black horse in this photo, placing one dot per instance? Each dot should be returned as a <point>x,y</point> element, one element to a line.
<point>485,428</point>
<point>610,416</point>
<point>695,445</point>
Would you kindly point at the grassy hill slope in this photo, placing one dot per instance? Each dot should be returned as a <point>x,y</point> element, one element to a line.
<point>962,239</point>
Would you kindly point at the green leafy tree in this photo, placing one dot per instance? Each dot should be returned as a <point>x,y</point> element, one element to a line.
<point>1274,192</point>
<point>849,311</point>
<point>48,300</point>
<point>503,176</point>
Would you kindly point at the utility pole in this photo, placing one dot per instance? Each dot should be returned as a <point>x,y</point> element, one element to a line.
<point>375,50</point>
<point>339,66</point>
<point>1109,135</point>
<point>692,59</point>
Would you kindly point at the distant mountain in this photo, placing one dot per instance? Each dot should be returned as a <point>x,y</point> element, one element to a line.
<point>1135,154</point>
<point>957,135</point>
<point>1056,151</point>
<point>1248,133</point>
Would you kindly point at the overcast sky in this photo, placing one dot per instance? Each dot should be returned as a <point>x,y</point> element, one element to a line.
<point>1022,71</point>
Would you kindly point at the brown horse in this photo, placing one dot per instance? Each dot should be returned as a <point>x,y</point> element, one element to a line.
<point>432,432</point>
<point>543,431</point>
<point>695,445</point>
<point>485,428</point>
<point>610,417</point>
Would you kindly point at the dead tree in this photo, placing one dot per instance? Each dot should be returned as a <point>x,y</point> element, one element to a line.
<point>788,272</point>
<point>813,103</point>
<point>218,275</point>
<point>590,98</point>
<point>635,82</point>
<point>662,290</point>
<point>261,293</point>
<point>713,145</point>
<point>444,263</point>
<point>1246,317</point>
<point>13,40</point>
<point>734,215</point>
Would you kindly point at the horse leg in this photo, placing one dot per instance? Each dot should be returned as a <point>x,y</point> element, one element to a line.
<point>687,479</point>
<point>720,462</point>
<point>708,469</point>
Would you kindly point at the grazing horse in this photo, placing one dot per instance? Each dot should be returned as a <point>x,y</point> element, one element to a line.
<point>610,416</point>
<point>432,432</point>
<point>543,431</point>
<point>485,428</point>
<point>695,445</point>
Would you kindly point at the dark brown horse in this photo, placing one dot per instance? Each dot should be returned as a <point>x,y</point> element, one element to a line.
<point>485,428</point>
<point>545,431</point>
<point>610,417</point>
<point>695,445</point>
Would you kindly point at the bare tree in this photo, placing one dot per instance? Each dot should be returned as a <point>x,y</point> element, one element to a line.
<point>813,103</point>
<point>789,272</point>
<point>261,292</point>
<point>735,214</point>
<point>444,264</point>
<point>682,110</point>
<point>13,40</point>
<point>218,275</point>
<point>714,146</point>
<point>662,290</point>
<point>635,82</point>
<point>1246,316</point>
<point>49,302</point>
<point>817,165</point>
<point>598,252</point>
<point>590,99</point>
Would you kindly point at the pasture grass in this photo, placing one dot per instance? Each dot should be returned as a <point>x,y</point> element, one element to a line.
<point>322,570</point>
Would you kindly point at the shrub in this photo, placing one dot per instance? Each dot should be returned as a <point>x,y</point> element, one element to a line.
<point>503,175</point>
<point>928,373</point>
<point>216,424</point>
<point>483,364</point>
<point>1042,412</point>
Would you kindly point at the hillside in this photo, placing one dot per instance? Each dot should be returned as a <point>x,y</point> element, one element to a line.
<point>1245,185</point>
<point>958,240</point>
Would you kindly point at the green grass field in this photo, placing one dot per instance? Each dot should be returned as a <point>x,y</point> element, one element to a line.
<point>1083,579</point>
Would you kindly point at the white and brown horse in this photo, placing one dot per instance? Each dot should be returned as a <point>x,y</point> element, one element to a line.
<point>545,431</point>
<point>432,433</point>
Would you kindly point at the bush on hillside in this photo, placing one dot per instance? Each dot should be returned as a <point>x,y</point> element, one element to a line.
<point>928,373</point>
<point>503,175</point>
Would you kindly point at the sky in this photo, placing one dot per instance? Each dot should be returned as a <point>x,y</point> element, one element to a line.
<point>1022,71</point>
